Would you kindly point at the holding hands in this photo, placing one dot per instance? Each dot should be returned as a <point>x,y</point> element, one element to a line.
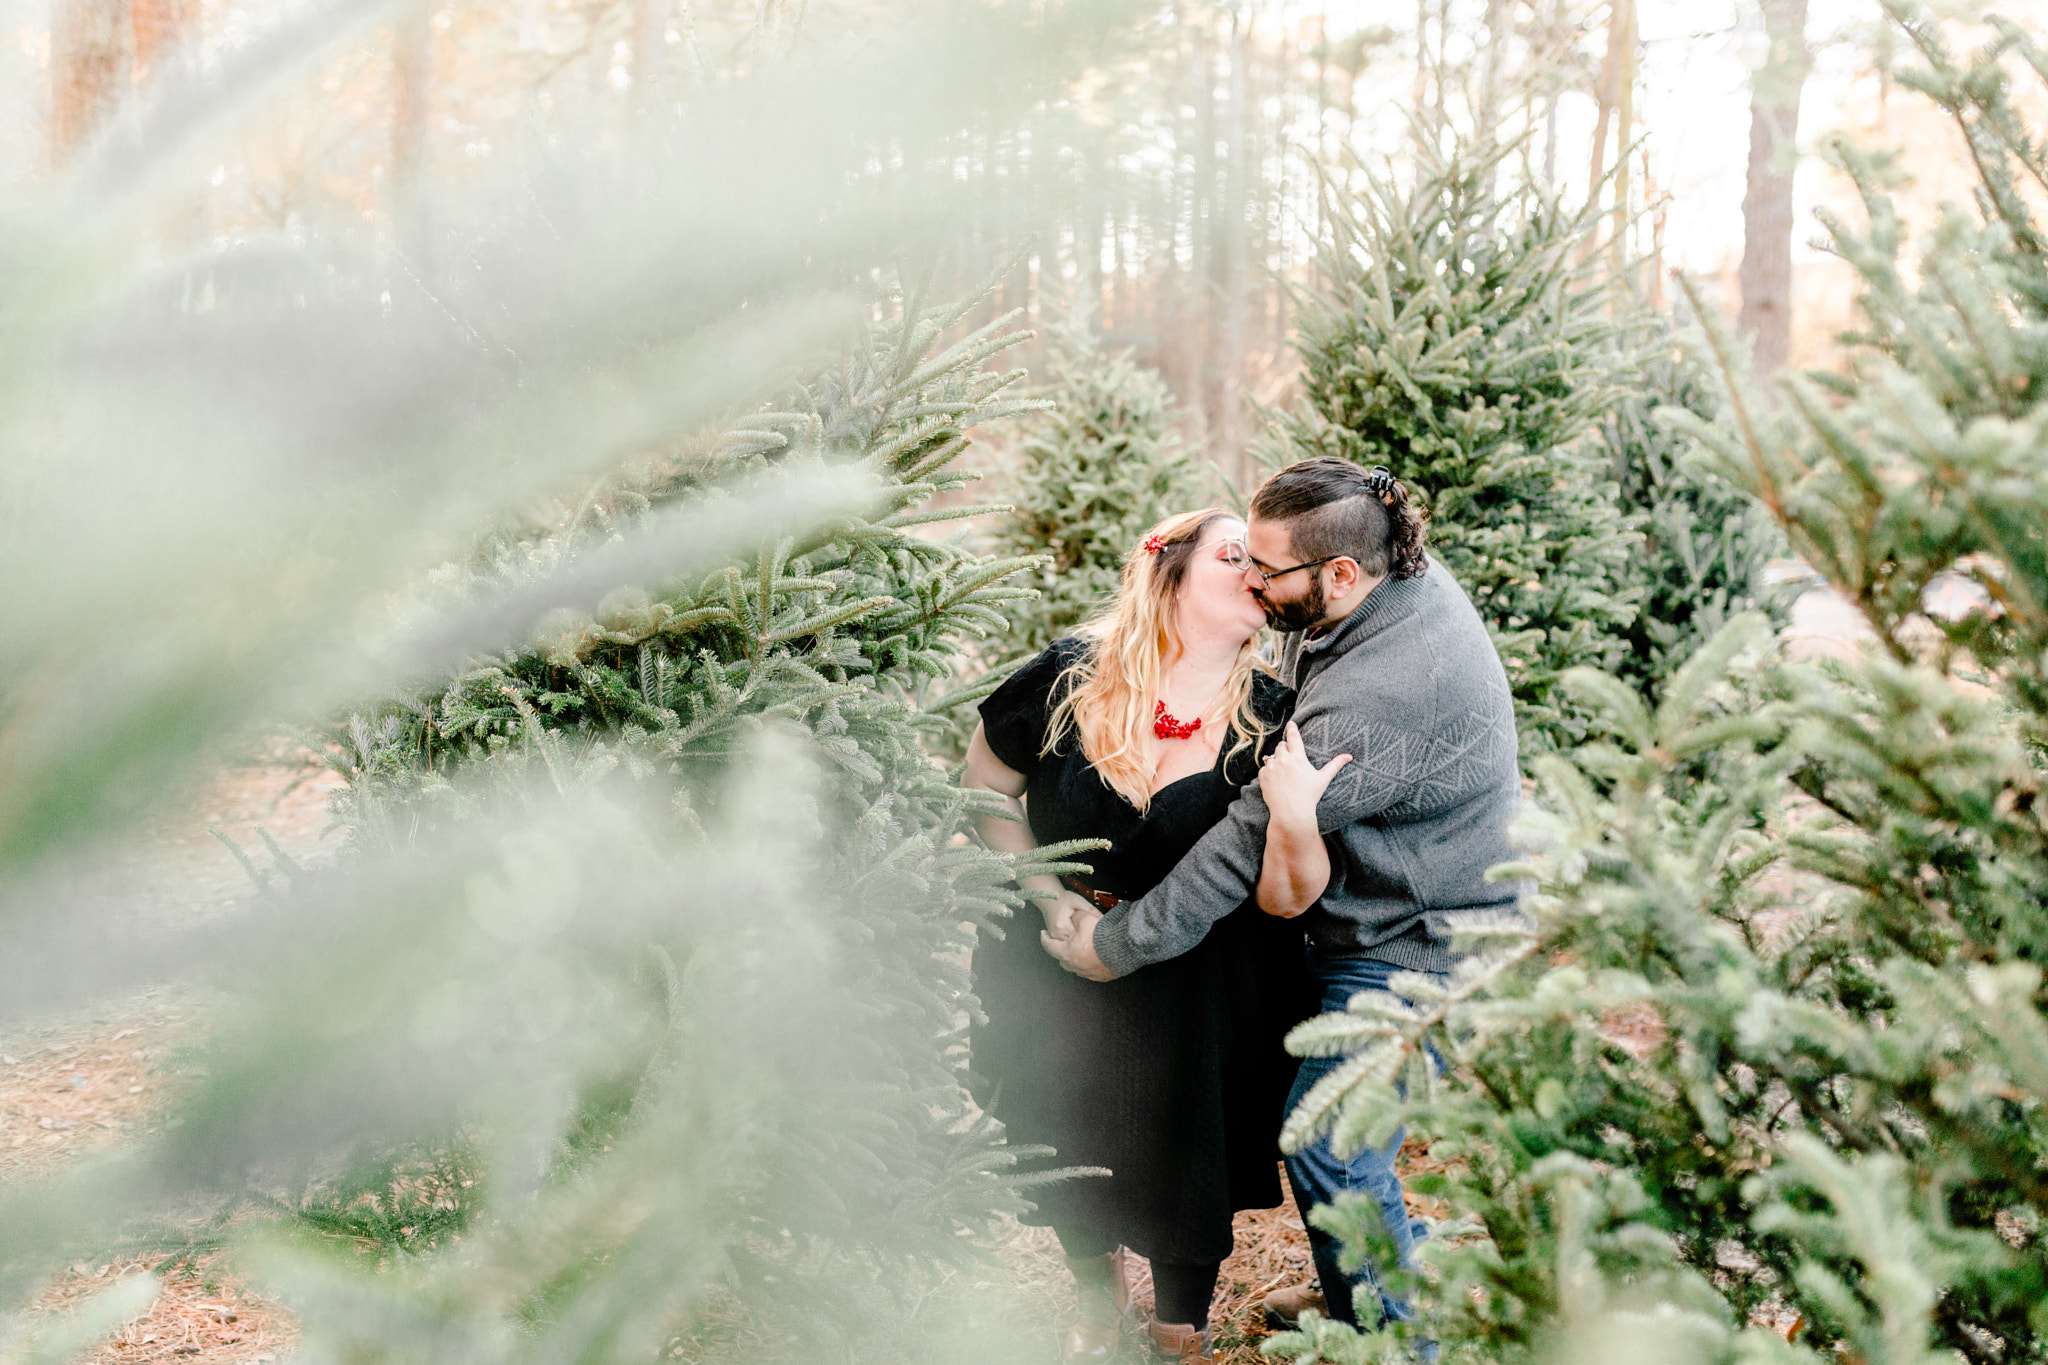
<point>1076,951</point>
<point>1063,912</point>
<point>1069,934</point>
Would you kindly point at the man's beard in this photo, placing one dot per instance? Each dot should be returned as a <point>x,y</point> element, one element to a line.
<point>1304,613</point>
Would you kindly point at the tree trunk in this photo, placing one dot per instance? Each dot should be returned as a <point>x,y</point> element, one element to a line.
<point>1421,94</point>
<point>650,42</point>
<point>1012,222</point>
<point>1201,295</point>
<point>1500,31</point>
<point>1123,243</point>
<point>1088,216</point>
<point>99,51</point>
<point>1624,126</point>
<point>1603,96</point>
<point>1231,230</point>
<point>411,73</point>
<point>89,66</point>
<point>1766,275</point>
<point>1655,202</point>
<point>412,39</point>
<point>156,24</point>
<point>1550,144</point>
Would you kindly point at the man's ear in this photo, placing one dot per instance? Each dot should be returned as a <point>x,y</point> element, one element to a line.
<point>1344,575</point>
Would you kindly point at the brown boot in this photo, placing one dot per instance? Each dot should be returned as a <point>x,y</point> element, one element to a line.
<point>1182,1342</point>
<point>1284,1307</point>
<point>1105,1296</point>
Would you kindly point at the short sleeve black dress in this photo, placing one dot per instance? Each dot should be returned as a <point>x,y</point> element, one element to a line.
<point>1173,1077</point>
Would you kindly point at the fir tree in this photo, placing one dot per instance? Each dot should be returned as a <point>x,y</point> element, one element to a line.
<point>1768,1083</point>
<point>1706,543</point>
<point>1456,337</point>
<point>1466,335</point>
<point>1091,474</point>
<point>833,654</point>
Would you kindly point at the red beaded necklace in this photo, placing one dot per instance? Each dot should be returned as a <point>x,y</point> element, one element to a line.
<point>1166,725</point>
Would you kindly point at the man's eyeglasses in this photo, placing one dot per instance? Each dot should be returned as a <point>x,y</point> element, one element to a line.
<point>1239,558</point>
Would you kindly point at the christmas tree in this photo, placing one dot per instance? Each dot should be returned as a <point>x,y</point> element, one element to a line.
<point>1465,334</point>
<point>1706,543</point>
<point>778,709</point>
<point>1456,336</point>
<point>1089,476</point>
<point>1768,1082</point>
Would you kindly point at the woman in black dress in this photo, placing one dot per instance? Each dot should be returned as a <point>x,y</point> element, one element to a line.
<point>1140,729</point>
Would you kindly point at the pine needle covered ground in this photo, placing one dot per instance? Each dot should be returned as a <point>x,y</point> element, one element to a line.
<point>89,1084</point>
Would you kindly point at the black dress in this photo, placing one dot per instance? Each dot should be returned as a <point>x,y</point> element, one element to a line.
<point>1172,1077</point>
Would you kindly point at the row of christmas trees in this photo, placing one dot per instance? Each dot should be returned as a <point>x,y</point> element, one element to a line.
<point>1462,333</point>
<point>1766,1082</point>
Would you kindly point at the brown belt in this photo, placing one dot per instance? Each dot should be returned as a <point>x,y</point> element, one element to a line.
<point>1101,900</point>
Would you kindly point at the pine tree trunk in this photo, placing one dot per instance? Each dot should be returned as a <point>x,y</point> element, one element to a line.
<point>1624,125</point>
<point>1201,298</point>
<point>1766,274</point>
<point>89,65</point>
<point>1010,221</point>
<point>1421,54</point>
<point>1603,95</point>
<point>411,72</point>
<point>156,25</point>
<point>650,40</point>
<point>1123,239</point>
<point>1500,30</point>
<point>1231,230</point>
<point>1088,216</point>
<point>1273,248</point>
<point>412,40</point>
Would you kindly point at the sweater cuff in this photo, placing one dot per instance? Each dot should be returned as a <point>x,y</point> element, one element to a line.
<point>1113,942</point>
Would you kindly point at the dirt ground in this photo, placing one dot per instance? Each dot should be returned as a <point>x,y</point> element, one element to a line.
<point>70,1087</point>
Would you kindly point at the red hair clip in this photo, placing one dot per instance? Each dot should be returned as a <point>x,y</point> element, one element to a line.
<point>1154,544</point>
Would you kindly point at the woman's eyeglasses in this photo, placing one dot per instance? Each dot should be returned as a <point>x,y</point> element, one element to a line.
<point>1239,558</point>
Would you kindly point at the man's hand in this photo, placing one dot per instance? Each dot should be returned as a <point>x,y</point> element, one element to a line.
<point>1076,952</point>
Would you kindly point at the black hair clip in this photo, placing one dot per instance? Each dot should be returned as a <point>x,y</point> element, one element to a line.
<point>1379,479</point>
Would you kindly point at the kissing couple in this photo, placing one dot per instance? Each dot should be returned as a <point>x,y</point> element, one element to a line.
<point>1282,837</point>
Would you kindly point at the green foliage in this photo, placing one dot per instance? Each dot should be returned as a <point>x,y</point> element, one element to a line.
<point>836,647</point>
<point>1705,541</point>
<point>411,1201</point>
<point>1466,335</point>
<point>852,630</point>
<point>1457,337</point>
<point>1091,474</point>
<point>1781,1031</point>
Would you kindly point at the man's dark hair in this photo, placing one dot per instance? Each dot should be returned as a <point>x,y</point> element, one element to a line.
<point>1333,507</point>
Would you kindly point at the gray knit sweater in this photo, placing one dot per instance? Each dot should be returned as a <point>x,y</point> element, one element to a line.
<point>1410,686</point>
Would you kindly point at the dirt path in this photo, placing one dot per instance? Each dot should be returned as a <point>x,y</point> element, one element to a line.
<point>73,1087</point>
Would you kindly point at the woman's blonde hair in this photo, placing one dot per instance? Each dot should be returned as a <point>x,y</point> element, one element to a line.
<point>1111,689</point>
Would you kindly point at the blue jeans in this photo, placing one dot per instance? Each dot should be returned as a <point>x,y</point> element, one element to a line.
<point>1319,1177</point>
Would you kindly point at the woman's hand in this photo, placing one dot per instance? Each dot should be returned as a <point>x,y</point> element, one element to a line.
<point>1296,866</point>
<point>1291,784</point>
<point>1062,912</point>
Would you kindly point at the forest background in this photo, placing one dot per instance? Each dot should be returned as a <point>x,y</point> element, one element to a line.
<point>559,412</point>
<point>1166,196</point>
